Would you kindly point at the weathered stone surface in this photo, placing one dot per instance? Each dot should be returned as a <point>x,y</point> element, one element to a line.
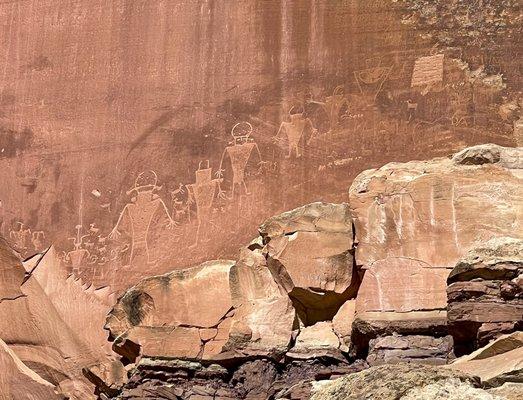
<point>18,382</point>
<point>508,391</point>
<point>451,389</point>
<point>413,348</point>
<point>342,323</point>
<point>58,326</point>
<point>414,220</point>
<point>316,341</point>
<point>498,362</point>
<point>310,252</point>
<point>389,382</point>
<point>429,210</point>
<point>402,285</point>
<point>370,325</point>
<point>254,379</point>
<point>165,314</point>
<point>485,298</point>
<point>264,316</point>
<point>12,273</point>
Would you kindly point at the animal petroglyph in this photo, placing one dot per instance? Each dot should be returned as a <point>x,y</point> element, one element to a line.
<point>139,214</point>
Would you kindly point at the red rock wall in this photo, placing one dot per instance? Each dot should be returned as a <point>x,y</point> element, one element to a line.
<point>95,95</point>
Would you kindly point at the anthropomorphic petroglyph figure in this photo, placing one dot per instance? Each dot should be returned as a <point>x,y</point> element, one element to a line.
<point>21,236</point>
<point>202,193</point>
<point>139,213</point>
<point>370,80</point>
<point>80,254</point>
<point>295,130</point>
<point>37,239</point>
<point>333,105</point>
<point>239,151</point>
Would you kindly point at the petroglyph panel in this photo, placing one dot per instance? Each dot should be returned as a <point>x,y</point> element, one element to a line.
<point>141,137</point>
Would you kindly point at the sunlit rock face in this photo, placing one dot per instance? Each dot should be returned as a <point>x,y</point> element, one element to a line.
<point>413,222</point>
<point>134,134</point>
<point>485,293</point>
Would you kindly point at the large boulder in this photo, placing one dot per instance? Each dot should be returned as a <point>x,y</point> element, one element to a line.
<point>217,310</point>
<point>498,362</point>
<point>392,382</point>
<point>264,316</point>
<point>183,314</point>
<point>485,293</point>
<point>435,211</point>
<point>414,221</point>
<point>309,251</point>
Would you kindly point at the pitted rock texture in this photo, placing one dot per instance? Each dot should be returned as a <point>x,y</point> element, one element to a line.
<point>389,382</point>
<point>485,293</point>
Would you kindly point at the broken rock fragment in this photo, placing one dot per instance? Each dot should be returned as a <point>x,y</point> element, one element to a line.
<point>309,251</point>
<point>316,341</point>
<point>485,294</point>
<point>183,314</point>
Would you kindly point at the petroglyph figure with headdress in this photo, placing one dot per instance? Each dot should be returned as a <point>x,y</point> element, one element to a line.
<point>239,151</point>
<point>139,213</point>
<point>295,129</point>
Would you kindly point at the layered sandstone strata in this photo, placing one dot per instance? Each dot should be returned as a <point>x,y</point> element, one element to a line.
<point>414,221</point>
<point>485,293</point>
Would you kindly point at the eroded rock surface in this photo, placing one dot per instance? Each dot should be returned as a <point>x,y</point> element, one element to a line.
<point>309,250</point>
<point>184,314</point>
<point>435,211</point>
<point>389,382</point>
<point>413,222</point>
<point>57,330</point>
<point>411,348</point>
<point>485,293</point>
<point>496,363</point>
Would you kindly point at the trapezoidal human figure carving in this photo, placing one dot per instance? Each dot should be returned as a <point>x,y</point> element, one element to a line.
<point>239,151</point>
<point>202,193</point>
<point>140,212</point>
<point>295,130</point>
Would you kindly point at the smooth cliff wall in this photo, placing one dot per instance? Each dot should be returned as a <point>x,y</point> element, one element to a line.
<point>144,136</point>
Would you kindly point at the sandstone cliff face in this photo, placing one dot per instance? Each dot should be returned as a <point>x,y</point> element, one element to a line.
<point>140,129</point>
<point>414,221</point>
<point>324,290</point>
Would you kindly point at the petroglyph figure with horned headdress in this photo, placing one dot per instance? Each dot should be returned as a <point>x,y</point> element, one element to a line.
<point>139,213</point>
<point>239,151</point>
